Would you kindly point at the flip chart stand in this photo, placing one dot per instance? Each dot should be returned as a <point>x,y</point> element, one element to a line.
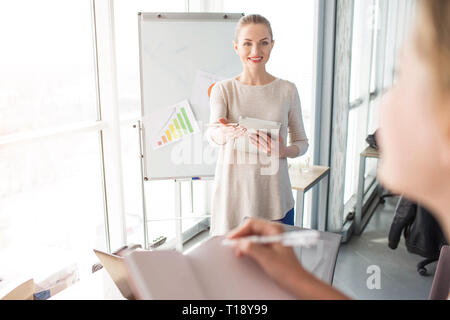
<point>177,200</point>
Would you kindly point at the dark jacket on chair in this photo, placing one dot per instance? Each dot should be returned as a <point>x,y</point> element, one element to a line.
<point>422,233</point>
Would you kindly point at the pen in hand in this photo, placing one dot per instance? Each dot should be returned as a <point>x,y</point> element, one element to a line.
<point>303,238</point>
<point>220,124</point>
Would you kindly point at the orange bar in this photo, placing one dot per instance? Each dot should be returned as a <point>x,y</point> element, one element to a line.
<point>168,135</point>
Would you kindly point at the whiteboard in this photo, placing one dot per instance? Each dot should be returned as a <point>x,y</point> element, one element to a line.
<point>174,49</point>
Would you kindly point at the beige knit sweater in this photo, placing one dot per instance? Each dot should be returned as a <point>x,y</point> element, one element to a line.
<point>248,185</point>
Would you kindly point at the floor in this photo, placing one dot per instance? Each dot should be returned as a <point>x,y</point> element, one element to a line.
<point>398,278</point>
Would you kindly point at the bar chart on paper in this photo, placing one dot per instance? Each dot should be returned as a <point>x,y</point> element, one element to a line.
<point>179,124</point>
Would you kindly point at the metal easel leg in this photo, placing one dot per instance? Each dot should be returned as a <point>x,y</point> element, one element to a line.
<point>144,208</point>
<point>178,233</point>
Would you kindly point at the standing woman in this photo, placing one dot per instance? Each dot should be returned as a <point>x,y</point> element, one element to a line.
<point>242,188</point>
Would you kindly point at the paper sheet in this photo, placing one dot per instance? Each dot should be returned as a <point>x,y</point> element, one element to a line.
<point>171,124</point>
<point>203,84</point>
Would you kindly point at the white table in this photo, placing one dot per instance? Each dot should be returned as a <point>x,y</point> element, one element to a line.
<point>360,220</point>
<point>302,182</point>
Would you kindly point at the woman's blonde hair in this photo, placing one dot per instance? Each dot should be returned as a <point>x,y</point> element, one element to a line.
<point>433,40</point>
<point>252,19</point>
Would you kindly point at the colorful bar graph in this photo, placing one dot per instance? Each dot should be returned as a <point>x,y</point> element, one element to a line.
<point>180,124</point>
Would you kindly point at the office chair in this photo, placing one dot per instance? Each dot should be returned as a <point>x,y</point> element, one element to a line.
<point>423,235</point>
<point>387,195</point>
<point>440,289</point>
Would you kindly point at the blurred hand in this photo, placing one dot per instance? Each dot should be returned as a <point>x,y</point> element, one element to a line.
<point>229,131</point>
<point>278,261</point>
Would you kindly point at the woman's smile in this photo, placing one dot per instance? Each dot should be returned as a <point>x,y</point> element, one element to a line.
<point>257,59</point>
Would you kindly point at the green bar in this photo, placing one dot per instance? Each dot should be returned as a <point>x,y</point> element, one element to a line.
<point>187,120</point>
<point>177,126</point>
<point>182,122</point>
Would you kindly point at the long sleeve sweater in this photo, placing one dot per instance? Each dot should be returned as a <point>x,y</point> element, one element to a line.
<point>247,185</point>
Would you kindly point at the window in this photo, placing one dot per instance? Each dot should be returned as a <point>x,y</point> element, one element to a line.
<point>391,53</point>
<point>379,29</point>
<point>47,73</point>
<point>363,64</point>
<point>362,39</point>
<point>51,200</point>
<point>51,197</point>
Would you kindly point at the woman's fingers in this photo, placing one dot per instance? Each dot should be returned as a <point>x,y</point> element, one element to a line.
<point>261,142</point>
<point>223,121</point>
<point>267,139</point>
<point>255,226</point>
<point>241,231</point>
<point>261,139</point>
<point>264,136</point>
<point>225,124</point>
<point>258,252</point>
<point>240,131</point>
<point>239,134</point>
<point>254,140</point>
<point>232,131</point>
<point>235,132</point>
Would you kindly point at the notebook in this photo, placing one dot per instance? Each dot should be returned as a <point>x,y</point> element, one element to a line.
<point>210,271</point>
<point>252,125</point>
<point>116,268</point>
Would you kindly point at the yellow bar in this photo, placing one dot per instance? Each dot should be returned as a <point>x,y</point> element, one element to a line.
<point>172,128</point>
<point>168,135</point>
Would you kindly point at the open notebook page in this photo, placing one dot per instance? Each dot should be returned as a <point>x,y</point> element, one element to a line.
<point>222,275</point>
<point>162,275</point>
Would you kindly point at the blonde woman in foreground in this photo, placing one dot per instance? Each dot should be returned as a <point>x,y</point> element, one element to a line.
<point>414,141</point>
